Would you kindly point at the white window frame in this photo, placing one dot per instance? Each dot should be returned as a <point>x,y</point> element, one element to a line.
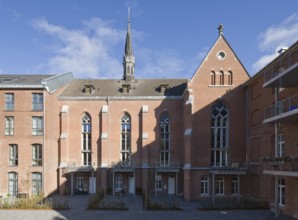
<point>86,140</point>
<point>158,182</point>
<point>235,185</point>
<point>37,101</point>
<point>281,192</point>
<point>219,135</point>
<point>125,148</point>
<point>13,184</point>
<point>220,186</point>
<point>13,155</point>
<point>37,125</point>
<point>280,145</point>
<point>118,182</point>
<point>205,186</point>
<point>9,125</point>
<point>165,147</point>
<point>36,183</point>
<point>36,155</point>
<point>9,101</point>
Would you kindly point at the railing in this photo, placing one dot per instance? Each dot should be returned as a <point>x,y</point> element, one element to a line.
<point>172,165</point>
<point>232,166</point>
<point>123,165</point>
<point>283,106</point>
<point>288,163</point>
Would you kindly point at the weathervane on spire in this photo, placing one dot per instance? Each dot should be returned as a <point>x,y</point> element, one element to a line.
<point>220,29</point>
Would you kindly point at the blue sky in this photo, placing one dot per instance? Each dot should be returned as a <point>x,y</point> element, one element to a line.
<point>170,37</point>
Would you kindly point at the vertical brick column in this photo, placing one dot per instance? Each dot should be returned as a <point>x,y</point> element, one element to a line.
<point>104,145</point>
<point>145,164</point>
<point>64,148</point>
<point>187,126</point>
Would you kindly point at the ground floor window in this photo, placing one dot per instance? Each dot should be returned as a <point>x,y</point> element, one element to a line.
<point>281,192</point>
<point>13,184</point>
<point>235,185</point>
<point>158,182</point>
<point>118,182</point>
<point>36,184</point>
<point>219,186</point>
<point>205,185</point>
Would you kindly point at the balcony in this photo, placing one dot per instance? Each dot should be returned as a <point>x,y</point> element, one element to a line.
<point>76,166</point>
<point>172,167</point>
<point>233,168</point>
<point>281,166</point>
<point>287,110</point>
<point>282,78</point>
<point>123,166</point>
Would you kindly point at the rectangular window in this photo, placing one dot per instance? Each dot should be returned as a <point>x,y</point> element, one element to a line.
<point>280,145</point>
<point>36,184</point>
<point>281,192</point>
<point>158,182</point>
<point>13,155</point>
<point>13,184</point>
<point>220,186</point>
<point>37,101</point>
<point>37,125</point>
<point>205,186</point>
<point>9,101</point>
<point>9,125</point>
<point>235,185</point>
<point>118,182</point>
<point>37,155</point>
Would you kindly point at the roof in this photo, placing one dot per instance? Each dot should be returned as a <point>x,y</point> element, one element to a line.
<point>22,81</point>
<point>143,88</point>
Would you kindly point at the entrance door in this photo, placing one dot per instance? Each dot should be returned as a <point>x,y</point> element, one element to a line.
<point>131,185</point>
<point>92,185</point>
<point>171,184</point>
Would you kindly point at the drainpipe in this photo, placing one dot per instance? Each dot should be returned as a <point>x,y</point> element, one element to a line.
<point>43,144</point>
<point>276,202</point>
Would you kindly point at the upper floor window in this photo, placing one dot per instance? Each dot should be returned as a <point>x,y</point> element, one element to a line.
<point>86,140</point>
<point>13,155</point>
<point>9,125</point>
<point>9,101</point>
<point>37,101</point>
<point>164,126</point>
<point>36,155</point>
<point>280,145</point>
<point>213,78</point>
<point>37,125</point>
<point>230,78</point>
<point>125,151</point>
<point>219,134</point>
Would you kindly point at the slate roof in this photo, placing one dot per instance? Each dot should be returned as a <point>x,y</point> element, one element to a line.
<point>22,80</point>
<point>114,88</point>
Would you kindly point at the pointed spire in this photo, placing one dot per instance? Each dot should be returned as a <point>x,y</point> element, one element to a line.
<point>128,58</point>
<point>220,29</point>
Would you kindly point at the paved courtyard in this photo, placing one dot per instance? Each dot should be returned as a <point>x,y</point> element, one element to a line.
<point>78,211</point>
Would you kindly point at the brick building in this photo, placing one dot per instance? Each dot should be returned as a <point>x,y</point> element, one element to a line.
<point>198,137</point>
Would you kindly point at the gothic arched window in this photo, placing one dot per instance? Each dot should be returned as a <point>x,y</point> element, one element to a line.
<point>86,140</point>
<point>164,125</point>
<point>125,151</point>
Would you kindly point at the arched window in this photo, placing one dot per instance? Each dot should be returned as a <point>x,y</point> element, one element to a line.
<point>221,78</point>
<point>13,184</point>
<point>205,185</point>
<point>125,152</point>
<point>220,186</point>
<point>219,134</point>
<point>86,140</point>
<point>213,81</point>
<point>164,125</point>
<point>36,184</point>
<point>230,78</point>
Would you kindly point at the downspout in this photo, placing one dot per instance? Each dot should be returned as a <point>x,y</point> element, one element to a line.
<point>43,144</point>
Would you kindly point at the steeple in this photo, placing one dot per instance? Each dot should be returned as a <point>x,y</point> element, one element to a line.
<point>128,57</point>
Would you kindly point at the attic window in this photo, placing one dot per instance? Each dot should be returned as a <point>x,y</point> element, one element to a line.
<point>88,89</point>
<point>164,87</point>
<point>126,88</point>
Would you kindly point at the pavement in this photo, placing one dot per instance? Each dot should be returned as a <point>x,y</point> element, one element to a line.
<point>78,204</point>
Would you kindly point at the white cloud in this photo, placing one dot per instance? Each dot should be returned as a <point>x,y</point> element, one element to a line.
<point>86,51</point>
<point>276,37</point>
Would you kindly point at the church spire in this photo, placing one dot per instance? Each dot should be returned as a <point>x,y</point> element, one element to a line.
<point>128,58</point>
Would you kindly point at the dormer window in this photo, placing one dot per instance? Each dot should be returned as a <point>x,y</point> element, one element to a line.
<point>163,87</point>
<point>88,89</point>
<point>126,88</point>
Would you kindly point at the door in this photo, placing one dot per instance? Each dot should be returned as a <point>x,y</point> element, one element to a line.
<point>171,184</point>
<point>92,185</point>
<point>131,185</point>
